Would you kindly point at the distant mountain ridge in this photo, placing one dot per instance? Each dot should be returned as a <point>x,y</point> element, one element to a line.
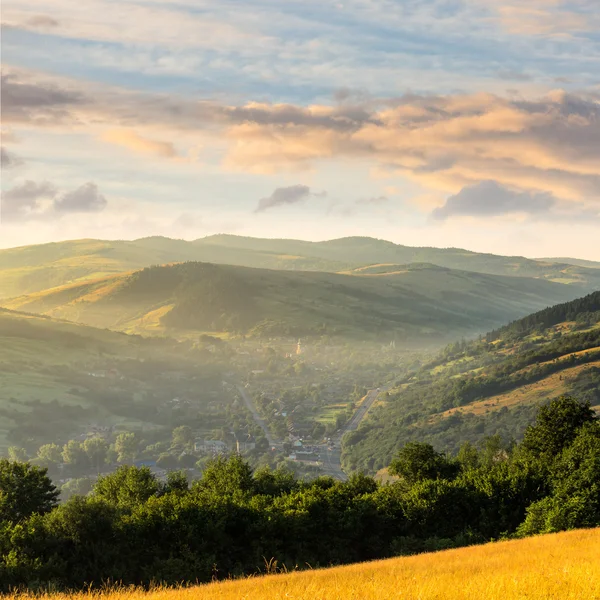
<point>404,302</point>
<point>34,268</point>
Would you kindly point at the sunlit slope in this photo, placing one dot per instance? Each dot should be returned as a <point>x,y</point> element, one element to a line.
<point>488,386</point>
<point>56,378</point>
<point>422,301</point>
<point>43,361</point>
<point>34,268</point>
<point>563,566</point>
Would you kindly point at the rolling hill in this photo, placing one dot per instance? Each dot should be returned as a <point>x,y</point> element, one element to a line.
<point>34,268</point>
<point>560,565</point>
<point>58,377</point>
<point>398,302</point>
<point>491,386</point>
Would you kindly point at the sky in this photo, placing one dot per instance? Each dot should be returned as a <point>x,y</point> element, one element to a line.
<point>448,123</point>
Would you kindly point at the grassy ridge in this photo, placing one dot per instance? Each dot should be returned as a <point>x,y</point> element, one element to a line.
<point>486,387</point>
<point>55,378</point>
<point>405,303</point>
<point>563,565</point>
<point>34,268</point>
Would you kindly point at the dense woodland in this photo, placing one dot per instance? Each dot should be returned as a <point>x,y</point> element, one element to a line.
<point>133,529</point>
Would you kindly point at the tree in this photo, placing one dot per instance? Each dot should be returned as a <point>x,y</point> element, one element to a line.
<point>49,454</point>
<point>74,455</point>
<point>24,490</point>
<point>556,426</point>
<point>96,450</point>
<point>177,481</point>
<point>126,447</point>
<point>183,436</point>
<point>75,487</point>
<point>227,475</point>
<point>17,454</point>
<point>127,486</point>
<point>166,460</point>
<point>418,461</point>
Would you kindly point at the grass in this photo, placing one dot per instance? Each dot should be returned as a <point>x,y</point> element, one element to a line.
<point>549,387</point>
<point>329,413</point>
<point>563,566</point>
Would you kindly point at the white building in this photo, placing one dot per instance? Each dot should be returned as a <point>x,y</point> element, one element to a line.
<point>211,446</point>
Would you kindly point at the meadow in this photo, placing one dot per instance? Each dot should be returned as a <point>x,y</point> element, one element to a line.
<point>563,566</point>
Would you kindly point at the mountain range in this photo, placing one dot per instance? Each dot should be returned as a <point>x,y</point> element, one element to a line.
<point>34,268</point>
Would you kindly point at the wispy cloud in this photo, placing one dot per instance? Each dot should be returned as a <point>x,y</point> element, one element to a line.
<point>282,196</point>
<point>139,144</point>
<point>488,198</point>
<point>547,144</point>
<point>31,201</point>
<point>9,160</point>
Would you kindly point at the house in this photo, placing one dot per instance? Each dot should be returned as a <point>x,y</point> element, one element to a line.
<point>211,446</point>
<point>245,446</point>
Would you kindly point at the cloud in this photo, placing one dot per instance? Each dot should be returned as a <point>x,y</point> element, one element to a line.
<point>136,143</point>
<point>443,142</point>
<point>41,201</point>
<point>39,102</point>
<point>42,22</point>
<point>285,195</point>
<point>488,198</point>
<point>23,202</point>
<point>373,200</point>
<point>85,199</point>
<point>514,75</point>
<point>9,160</point>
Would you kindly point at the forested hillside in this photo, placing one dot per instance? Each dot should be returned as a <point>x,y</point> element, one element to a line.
<point>59,381</point>
<point>410,303</point>
<point>35,268</point>
<point>491,386</point>
<point>135,529</point>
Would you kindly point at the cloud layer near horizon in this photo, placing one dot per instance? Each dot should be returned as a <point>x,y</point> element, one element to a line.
<point>545,145</point>
<point>432,119</point>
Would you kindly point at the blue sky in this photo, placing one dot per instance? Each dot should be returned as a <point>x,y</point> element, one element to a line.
<point>472,123</point>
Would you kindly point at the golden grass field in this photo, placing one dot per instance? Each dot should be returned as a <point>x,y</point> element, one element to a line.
<point>563,566</point>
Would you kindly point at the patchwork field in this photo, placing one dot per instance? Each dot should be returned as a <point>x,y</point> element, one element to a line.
<point>563,566</point>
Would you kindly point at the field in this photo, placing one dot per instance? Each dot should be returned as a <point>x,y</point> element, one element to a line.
<point>563,566</point>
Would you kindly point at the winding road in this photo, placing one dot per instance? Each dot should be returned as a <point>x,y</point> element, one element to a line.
<point>331,459</point>
<point>259,420</point>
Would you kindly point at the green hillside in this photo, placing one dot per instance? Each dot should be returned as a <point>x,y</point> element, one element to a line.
<point>591,264</point>
<point>34,268</point>
<point>424,303</point>
<point>487,387</point>
<point>57,379</point>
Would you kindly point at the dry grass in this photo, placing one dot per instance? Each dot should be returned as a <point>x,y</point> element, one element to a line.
<point>550,387</point>
<point>563,566</point>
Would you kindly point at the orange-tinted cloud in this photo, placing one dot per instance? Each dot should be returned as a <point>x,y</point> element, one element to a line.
<point>549,144</point>
<point>136,143</point>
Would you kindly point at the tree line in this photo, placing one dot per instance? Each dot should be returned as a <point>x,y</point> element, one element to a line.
<point>134,529</point>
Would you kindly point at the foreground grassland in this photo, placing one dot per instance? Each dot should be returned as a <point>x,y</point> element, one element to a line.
<point>563,566</point>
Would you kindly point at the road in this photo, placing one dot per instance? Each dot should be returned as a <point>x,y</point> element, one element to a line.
<point>261,422</point>
<point>332,459</point>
